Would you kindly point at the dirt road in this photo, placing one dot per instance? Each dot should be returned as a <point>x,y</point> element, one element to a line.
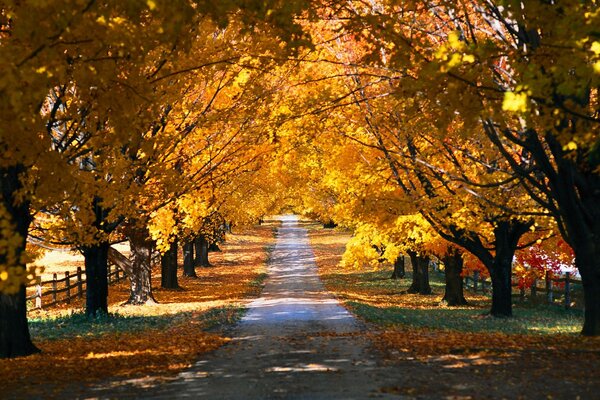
<point>295,342</point>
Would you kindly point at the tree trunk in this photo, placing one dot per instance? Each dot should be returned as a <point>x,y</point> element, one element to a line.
<point>96,275</point>
<point>588,265</point>
<point>188,260</point>
<point>15,339</point>
<point>399,269</point>
<point>201,245</point>
<point>141,276</point>
<point>420,280</point>
<point>168,264</point>
<point>506,234</point>
<point>453,263</point>
<point>581,215</point>
<point>501,287</point>
<point>329,224</point>
<point>214,247</point>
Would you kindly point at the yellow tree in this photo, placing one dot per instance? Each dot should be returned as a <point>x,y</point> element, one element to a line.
<point>527,74</point>
<point>458,185</point>
<point>100,54</point>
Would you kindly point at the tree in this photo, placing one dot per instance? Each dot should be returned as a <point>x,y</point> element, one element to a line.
<point>529,79</point>
<point>101,52</point>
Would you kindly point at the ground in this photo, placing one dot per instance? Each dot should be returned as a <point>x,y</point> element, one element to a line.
<point>316,331</point>
<point>460,352</point>
<point>162,339</point>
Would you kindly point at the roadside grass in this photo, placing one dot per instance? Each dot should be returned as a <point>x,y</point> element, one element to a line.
<point>542,320</point>
<point>157,340</point>
<point>78,325</point>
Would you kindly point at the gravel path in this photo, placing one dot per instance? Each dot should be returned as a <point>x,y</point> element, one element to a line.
<point>295,342</point>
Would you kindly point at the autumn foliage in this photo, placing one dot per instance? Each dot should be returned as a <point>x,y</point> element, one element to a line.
<point>465,132</point>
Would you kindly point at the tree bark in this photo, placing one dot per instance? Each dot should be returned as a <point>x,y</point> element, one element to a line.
<point>15,339</point>
<point>96,275</point>
<point>453,293</point>
<point>168,264</point>
<point>507,235</point>
<point>506,238</point>
<point>201,245</point>
<point>588,264</point>
<point>214,247</point>
<point>141,276</point>
<point>420,279</point>
<point>500,273</point>
<point>329,224</point>
<point>399,269</point>
<point>188,260</point>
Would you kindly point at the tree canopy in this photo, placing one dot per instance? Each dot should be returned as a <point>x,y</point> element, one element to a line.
<point>423,126</point>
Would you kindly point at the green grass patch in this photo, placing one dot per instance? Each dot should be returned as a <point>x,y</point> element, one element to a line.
<point>526,320</point>
<point>220,317</point>
<point>79,325</point>
<point>380,279</point>
<point>259,281</point>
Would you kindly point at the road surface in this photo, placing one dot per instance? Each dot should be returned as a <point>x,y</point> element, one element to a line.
<point>295,342</point>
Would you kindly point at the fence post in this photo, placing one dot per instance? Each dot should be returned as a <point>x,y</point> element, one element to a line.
<point>68,286</point>
<point>79,283</point>
<point>54,287</point>
<point>475,279</point>
<point>567,290</point>
<point>38,296</point>
<point>549,287</point>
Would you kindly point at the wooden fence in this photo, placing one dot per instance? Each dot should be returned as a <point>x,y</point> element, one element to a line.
<point>55,291</point>
<point>552,291</point>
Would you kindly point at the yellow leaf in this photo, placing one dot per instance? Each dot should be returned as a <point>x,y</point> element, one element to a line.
<point>570,146</point>
<point>516,102</point>
<point>469,58</point>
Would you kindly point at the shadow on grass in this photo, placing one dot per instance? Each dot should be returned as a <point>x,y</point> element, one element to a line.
<point>541,320</point>
<point>79,325</point>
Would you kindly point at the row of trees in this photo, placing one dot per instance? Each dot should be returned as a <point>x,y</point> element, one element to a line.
<point>128,120</point>
<point>445,127</point>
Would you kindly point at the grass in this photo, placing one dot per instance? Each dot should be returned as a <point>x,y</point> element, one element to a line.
<point>379,300</point>
<point>539,320</point>
<point>78,324</point>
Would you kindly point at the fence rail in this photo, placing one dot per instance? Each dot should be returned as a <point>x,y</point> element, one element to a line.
<point>70,287</point>
<point>549,287</point>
